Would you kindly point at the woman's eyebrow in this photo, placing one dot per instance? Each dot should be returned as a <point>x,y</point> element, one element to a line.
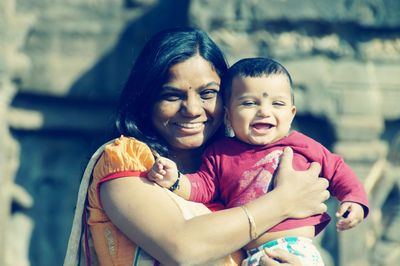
<point>170,87</point>
<point>212,83</point>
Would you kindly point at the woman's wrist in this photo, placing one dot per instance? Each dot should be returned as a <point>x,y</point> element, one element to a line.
<point>267,211</point>
<point>285,205</point>
<point>252,224</point>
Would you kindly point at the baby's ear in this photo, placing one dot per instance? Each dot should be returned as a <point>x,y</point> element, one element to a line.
<point>228,126</point>
<point>294,110</point>
<point>226,115</point>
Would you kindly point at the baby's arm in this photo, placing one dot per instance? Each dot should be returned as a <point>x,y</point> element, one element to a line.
<point>165,173</point>
<point>349,214</point>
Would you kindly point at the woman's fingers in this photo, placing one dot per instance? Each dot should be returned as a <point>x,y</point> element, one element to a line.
<point>314,169</point>
<point>267,261</point>
<point>324,183</point>
<point>279,257</point>
<point>286,158</point>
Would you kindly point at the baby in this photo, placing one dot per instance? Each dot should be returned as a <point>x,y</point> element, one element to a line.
<point>259,105</point>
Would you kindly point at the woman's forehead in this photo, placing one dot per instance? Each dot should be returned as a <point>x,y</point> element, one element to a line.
<point>193,72</point>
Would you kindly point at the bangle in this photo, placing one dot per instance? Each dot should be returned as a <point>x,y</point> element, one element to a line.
<point>253,229</point>
<point>175,186</point>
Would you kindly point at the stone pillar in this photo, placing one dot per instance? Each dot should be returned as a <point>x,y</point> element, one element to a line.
<point>15,229</point>
<point>358,122</point>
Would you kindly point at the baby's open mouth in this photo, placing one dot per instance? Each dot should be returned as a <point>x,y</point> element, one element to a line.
<point>262,126</point>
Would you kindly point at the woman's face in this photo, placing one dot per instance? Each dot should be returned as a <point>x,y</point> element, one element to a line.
<point>189,109</point>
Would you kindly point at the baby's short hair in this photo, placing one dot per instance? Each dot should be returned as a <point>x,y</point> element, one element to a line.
<point>253,67</point>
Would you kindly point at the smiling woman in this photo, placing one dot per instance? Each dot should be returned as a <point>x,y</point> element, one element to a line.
<point>189,109</point>
<point>171,106</point>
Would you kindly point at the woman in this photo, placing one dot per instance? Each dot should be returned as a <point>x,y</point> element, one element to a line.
<point>171,106</point>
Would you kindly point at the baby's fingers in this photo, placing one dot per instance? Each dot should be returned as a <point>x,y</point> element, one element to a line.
<point>155,175</point>
<point>346,224</point>
<point>342,224</point>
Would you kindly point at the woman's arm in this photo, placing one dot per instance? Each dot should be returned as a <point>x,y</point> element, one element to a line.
<point>149,217</point>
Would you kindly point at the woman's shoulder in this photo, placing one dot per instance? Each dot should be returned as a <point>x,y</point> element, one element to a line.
<point>126,145</point>
<point>124,154</point>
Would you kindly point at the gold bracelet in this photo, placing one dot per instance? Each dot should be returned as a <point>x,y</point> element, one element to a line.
<point>253,229</point>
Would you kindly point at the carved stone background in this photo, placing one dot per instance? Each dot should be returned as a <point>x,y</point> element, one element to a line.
<point>62,63</point>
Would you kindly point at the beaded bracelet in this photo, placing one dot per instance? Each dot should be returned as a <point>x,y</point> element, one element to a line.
<point>253,229</point>
<point>175,186</point>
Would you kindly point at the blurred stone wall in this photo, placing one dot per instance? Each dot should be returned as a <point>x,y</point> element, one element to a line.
<point>344,57</point>
<point>63,62</point>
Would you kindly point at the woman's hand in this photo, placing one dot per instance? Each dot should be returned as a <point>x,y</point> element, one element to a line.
<point>303,192</point>
<point>279,257</point>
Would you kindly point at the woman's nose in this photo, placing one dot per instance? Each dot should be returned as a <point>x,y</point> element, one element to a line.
<point>192,106</point>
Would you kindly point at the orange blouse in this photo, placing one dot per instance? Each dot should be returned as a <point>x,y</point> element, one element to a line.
<point>123,158</point>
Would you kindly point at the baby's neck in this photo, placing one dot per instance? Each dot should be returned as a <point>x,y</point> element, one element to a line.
<point>266,144</point>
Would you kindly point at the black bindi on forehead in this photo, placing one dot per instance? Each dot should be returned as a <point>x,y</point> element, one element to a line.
<point>265,95</point>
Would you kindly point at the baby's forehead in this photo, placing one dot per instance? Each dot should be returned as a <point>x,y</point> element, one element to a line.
<point>263,75</point>
<point>277,79</point>
<point>273,85</point>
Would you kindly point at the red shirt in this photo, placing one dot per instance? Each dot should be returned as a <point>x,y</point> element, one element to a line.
<point>238,173</point>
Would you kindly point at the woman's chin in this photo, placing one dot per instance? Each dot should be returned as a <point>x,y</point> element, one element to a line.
<point>190,142</point>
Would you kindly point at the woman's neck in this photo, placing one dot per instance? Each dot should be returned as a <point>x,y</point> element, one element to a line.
<point>188,161</point>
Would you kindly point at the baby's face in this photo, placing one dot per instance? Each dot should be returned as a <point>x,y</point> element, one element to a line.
<point>260,109</point>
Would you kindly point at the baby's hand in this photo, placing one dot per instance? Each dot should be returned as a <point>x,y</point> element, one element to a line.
<point>164,172</point>
<point>350,214</point>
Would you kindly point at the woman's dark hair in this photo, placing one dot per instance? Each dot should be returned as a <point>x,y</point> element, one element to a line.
<point>150,72</point>
<point>252,67</point>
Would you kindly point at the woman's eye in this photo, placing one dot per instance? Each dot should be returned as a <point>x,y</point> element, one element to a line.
<point>171,97</point>
<point>208,94</point>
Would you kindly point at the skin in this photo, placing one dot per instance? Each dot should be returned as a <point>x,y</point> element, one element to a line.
<point>349,215</point>
<point>283,257</point>
<point>189,110</point>
<point>202,239</point>
<point>260,112</point>
<point>260,109</point>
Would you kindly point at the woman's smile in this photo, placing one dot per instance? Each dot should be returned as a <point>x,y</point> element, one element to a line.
<point>190,128</point>
<point>189,111</point>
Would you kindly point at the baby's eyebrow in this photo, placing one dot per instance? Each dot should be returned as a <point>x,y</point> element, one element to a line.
<point>245,97</point>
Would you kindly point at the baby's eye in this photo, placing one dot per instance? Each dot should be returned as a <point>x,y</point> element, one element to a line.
<point>279,103</point>
<point>248,103</point>
<point>208,94</point>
